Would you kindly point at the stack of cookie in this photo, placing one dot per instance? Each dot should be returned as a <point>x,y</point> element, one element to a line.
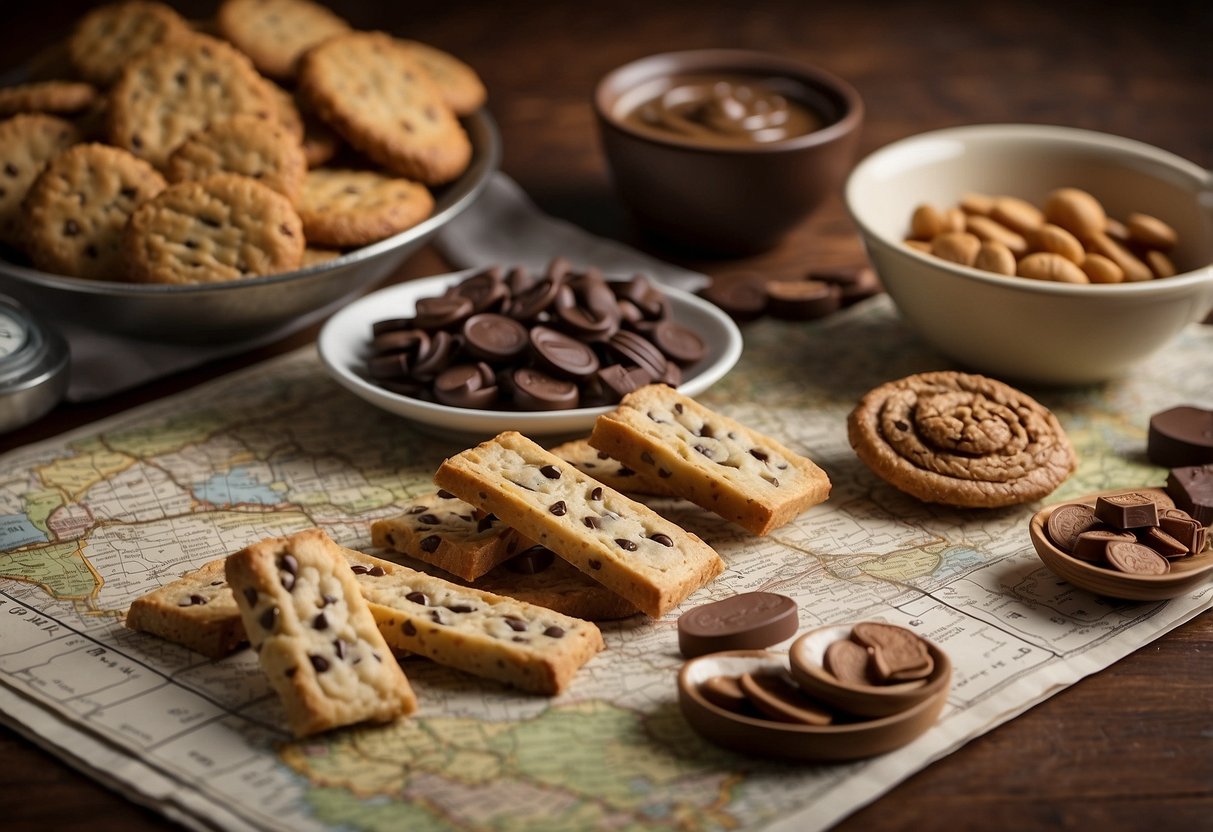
<point>172,156</point>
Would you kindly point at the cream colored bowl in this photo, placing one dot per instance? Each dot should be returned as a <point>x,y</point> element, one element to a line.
<point>1017,328</point>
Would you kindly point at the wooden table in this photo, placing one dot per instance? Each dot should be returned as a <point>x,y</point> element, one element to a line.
<point>1129,748</point>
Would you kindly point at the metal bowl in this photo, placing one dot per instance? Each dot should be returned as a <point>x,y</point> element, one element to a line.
<point>243,309</point>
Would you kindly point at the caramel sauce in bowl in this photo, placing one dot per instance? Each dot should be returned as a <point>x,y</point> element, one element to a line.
<point>725,150</point>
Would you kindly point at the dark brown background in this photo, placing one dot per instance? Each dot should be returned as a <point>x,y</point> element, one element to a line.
<point>1130,748</point>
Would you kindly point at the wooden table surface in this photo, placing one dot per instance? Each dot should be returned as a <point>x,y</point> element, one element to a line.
<point>1129,748</point>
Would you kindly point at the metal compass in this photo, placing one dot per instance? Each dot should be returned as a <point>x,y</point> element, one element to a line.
<point>33,366</point>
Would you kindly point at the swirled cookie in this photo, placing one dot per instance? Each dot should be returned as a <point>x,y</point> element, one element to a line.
<point>961,440</point>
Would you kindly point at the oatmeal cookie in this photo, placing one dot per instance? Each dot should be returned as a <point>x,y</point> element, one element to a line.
<point>961,440</point>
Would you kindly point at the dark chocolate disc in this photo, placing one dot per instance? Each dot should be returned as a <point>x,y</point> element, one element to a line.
<point>519,280</point>
<point>1180,437</point>
<point>741,298</point>
<point>679,343</point>
<point>855,283</point>
<point>802,300</point>
<point>526,305</point>
<point>494,338</point>
<point>390,324</point>
<point>431,362</point>
<point>441,312</point>
<point>486,290</point>
<point>400,340</point>
<point>393,365</point>
<point>466,385</point>
<point>561,355</point>
<point>740,622</point>
<point>536,390</point>
<point>636,349</point>
<point>621,380</point>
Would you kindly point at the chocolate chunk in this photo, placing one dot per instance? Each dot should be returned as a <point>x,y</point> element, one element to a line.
<point>595,564</point>
<point>320,663</point>
<point>428,520</point>
<point>376,572</point>
<point>430,543</point>
<point>550,471</point>
<point>1127,511</point>
<point>558,508</point>
<point>494,338</point>
<point>1181,437</point>
<point>1161,542</point>
<point>591,522</point>
<point>802,300</point>
<point>269,619</point>
<point>467,385</point>
<point>320,622</point>
<point>408,628</point>
<point>535,390</point>
<point>596,494</point>
<point>417,598</point>
<point>515,624</point>
<point>751,620</point>
<point>1192,489</point>
<point>461,608</point>
<point>359,569</point>
<point>1183,527</point>
<point>554,632</point>
<point>192,601</point>
<point>1092,545</point>
<point>446,495</point>
<point>339,648</point>
<point>562,356</point>
<point>531,561</point>
<point>250,595</point>
<point>662,539</point>
<point>625,544</point>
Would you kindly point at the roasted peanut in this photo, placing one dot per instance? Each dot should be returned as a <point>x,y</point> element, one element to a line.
<point>995,257</point>
<point>919,245</point>
<point>1134,269</point>
<point>977,204</point>
<point>1116,230</point>
<point>1101,270</point>
<point>1045,265</point>
<point>986,229</point>
<point>926,223</point>
<point>957,247</point>
<point>1076,211</point>
<point>1160,264</point>
<point>1054,238</point>
<point>1017,214</point>
<point>1151,232</point>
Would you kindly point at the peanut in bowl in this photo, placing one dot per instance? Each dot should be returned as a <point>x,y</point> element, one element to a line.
<point>1014,327</point>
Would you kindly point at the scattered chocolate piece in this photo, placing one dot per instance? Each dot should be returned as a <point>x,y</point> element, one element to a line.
<point>1067,522</point>
<point>1136,559</point>
<point>802,300</point>
<point>1181,437</point>
<point>1127,511</point>
<point>1092,545</point>
<point>750,620</point>
<point>1191,487</point>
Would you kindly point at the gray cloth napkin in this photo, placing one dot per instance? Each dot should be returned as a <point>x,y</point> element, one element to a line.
<point>502,226</point>
<point>505,227</point>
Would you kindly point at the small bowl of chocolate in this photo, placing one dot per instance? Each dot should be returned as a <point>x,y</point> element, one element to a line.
<point>725,150</point>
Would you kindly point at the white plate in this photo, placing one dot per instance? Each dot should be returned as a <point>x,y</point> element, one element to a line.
<point>345,339</point>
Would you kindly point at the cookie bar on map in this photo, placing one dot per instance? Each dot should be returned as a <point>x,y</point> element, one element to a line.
<point>440,529</point>
<point>196,611</point>
<point>537,576</point>
<point>529,647</point>
<point>710,459</point>
<point>315,636</point>
<point>625,546</point>
<point>608,471</point>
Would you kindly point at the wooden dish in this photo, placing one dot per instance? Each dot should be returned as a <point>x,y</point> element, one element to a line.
<point>788,741</point>
<point>861,700</point>
<point>1186,573</point>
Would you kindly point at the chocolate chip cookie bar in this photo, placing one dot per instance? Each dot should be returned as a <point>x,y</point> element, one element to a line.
<point>620,543</point>
<point>529,647</point>
<point>196,611</point>
<point>440,529</point>
<point>316,638</point>
<point>710,459</point>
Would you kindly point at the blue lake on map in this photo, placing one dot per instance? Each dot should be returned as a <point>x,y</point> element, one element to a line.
<point>238,485</point>
<point>16,530</point>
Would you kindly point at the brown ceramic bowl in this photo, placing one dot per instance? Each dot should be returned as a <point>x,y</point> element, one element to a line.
<point>733,200</point>
<point>806,656</point>
<point>787,741</point>
<point>1186,573</point>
